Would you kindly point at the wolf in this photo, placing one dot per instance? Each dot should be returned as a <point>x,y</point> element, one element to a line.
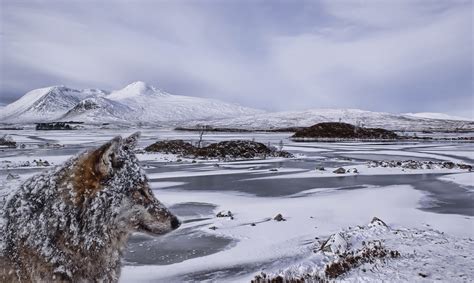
<point>71,223</point>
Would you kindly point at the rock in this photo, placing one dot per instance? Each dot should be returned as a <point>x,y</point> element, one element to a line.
<point>7,141</point>
<point>224,213</point>
<point>339,171</point>
<point>321,168</point>
<point>279,217</point>
<point>448,165</point>
<point>41,162</point>
<point>213,227</point>
<point>12,176</point>
<point>465,166</point>
<point>355,171</point>
<point>335,244</point>
<point>253,224</point>
<point>376,222</point>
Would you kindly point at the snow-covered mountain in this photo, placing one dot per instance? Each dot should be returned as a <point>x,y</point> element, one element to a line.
<point>152,104</point>
<point>136,103</point>
<point>440,116</point>
<point>140,103</point>
<point>98,109</point>
<point>307,118</point>
<point>48,103</point>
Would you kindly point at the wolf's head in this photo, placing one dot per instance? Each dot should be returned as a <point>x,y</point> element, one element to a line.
<point>111,175</point>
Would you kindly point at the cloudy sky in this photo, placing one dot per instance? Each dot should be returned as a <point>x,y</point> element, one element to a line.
<point>396,56</point>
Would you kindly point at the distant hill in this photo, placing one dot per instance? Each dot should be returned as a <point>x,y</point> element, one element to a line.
<point>439,116</point>
<point>306,118</point>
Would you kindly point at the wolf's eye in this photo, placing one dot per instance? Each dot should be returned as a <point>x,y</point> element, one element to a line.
<point>117,162</point>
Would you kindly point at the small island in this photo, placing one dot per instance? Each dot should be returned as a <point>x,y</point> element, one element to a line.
<point>335,131</point>
<point>226,149</point>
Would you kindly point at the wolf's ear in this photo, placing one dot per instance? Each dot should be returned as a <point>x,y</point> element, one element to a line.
<point>131,141</point>
<point>108,156</point>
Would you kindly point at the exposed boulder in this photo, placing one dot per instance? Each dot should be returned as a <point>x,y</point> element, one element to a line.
<point>417,165</point>
<point>335,244</point>
<point>224,213</point>
<point>7,141</point>
<point>376,222</point>
<point>339,171</point>
<point>12,176</point>
<point>353,170</point>
<point>279,217</point>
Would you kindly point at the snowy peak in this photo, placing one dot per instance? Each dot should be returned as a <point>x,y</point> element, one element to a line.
<point>138,102</point>
<point>43,104</point>
<point>98,109</point>
<point>135,89</point>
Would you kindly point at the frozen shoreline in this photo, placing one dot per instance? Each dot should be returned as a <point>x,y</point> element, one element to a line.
<point>329,211</point>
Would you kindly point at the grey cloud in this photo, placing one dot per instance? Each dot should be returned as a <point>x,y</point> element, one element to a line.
<point>398,56</point>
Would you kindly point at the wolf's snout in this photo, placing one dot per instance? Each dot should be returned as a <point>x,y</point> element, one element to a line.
<point>175,223</point>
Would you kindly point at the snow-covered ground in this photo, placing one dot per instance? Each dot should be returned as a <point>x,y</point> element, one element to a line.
<point>431,115</point>
<point>429,212</point>
<point>306,118</point>
<point>464,179</point>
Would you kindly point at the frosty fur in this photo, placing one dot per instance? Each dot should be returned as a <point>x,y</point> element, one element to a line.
<point>70,224</point>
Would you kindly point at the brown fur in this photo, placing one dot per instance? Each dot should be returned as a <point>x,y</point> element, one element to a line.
<point>87,175</point>
<point>83,213</point>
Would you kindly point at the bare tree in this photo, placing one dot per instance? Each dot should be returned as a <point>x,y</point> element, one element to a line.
<point>202,130</point>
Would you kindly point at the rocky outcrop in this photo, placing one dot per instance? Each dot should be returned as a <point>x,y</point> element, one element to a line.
<point>7,141</point>
<point>415,164</point>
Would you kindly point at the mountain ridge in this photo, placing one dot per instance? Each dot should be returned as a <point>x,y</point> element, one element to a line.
<point>142,104</point>
<point>137,102</point>
<point>309,117</point>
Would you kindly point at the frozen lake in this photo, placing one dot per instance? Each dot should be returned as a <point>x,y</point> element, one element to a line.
<point>316,203</point>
